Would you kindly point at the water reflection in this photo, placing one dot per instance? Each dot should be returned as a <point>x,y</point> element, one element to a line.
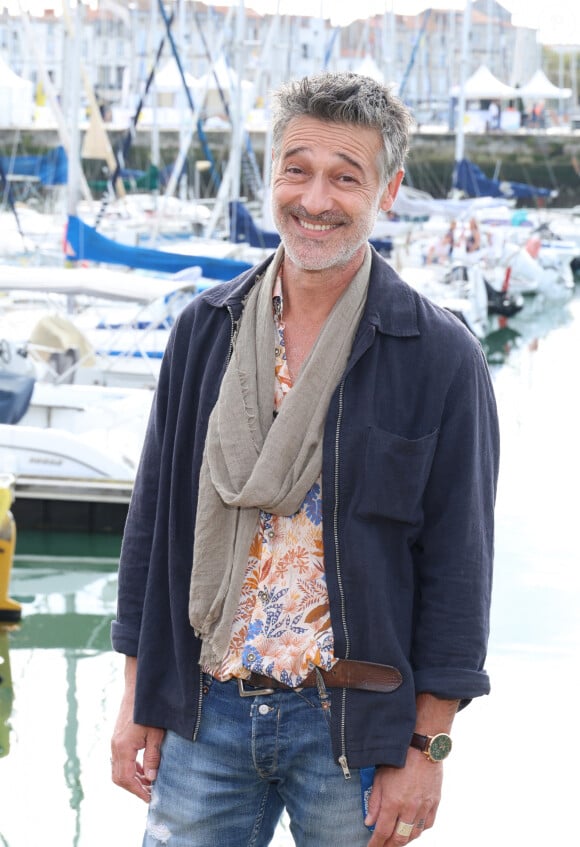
<point>537,319</point>
<point>59,695</point>
<point>6,692</point>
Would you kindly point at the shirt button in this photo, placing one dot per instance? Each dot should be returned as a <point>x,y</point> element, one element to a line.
<point>263,709</point>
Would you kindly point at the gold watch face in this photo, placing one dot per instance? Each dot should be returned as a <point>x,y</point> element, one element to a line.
<point>440,747</point>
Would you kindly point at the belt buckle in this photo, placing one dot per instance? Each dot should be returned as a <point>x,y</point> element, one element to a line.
<point>255,692</point>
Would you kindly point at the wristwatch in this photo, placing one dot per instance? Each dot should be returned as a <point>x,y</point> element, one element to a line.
<point>435,747</point>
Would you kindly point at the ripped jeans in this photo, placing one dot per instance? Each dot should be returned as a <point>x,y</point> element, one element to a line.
<point>253,758</point>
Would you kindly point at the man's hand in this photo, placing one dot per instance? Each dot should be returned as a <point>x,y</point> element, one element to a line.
<point>410,795</point>
<point>407,796</point>
<point>129,739</point>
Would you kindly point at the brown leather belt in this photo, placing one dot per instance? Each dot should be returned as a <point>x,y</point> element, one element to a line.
<point>346,673</point>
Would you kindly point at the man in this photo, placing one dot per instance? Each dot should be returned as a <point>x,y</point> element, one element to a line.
<point>305,575</point>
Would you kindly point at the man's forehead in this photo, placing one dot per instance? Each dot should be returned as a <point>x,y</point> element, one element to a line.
<point>308,135</point>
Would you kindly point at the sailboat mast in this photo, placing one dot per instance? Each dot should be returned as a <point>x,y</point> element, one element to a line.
<point>155,139</point>
<point>389,43</point>
<point>236,103</point>
<point>460,128</point>
<point>74,160</point>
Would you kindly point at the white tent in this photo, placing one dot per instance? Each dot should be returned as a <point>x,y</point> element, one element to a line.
<point>223,76</point>
<point>368,67</point>
<point>222,79</point>
<point>483,85</point>
<point>169,78</point>
<point>170,94</point>
<point>16,98</point>
<point>540,88</point>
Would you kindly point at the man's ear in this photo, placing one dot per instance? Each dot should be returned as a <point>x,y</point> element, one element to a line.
<point>390,192</point>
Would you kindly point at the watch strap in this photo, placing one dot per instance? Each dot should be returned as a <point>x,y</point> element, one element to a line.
<point>420,742</point>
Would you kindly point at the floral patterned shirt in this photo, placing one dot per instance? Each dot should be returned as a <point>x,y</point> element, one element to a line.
<point>282,627</point>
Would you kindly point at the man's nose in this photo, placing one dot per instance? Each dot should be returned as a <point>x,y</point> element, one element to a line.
<point>316,195</point>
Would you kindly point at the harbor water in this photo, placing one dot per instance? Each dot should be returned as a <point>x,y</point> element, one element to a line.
<point>508,779</point>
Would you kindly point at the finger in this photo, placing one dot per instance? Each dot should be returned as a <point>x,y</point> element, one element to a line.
<point>129,775</point>
<point>392,832</point>
<point>403,831</point>
<point>418,829</point>
<point>423,820</point>
<point>152,754</point>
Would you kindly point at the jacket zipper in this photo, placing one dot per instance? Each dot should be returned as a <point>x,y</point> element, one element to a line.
<point>199,705</point>
<point>342,760</point>
<point>233,333</point>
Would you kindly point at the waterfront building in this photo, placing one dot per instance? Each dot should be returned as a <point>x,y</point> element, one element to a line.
<point>119,41</point>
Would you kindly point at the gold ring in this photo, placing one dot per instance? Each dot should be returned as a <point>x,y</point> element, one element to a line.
<point>404,829</point>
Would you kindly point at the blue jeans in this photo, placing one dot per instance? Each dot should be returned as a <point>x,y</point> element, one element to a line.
<point>253,757</point>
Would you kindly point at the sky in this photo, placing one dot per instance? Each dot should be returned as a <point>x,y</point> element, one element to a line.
<point>557,21</point>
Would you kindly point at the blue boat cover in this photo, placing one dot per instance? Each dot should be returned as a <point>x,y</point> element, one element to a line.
<point>50,168</point>
<point>469,178</point>
<point>15,393</point>
<point>243,228</point>
<point>84,243</point>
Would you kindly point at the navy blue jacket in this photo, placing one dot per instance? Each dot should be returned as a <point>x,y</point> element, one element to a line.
<point>409,474</point>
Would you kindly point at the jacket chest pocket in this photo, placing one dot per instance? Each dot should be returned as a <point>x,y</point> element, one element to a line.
<point>395,473</point>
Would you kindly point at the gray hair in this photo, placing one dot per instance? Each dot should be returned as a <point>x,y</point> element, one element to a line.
<point>346,98</point>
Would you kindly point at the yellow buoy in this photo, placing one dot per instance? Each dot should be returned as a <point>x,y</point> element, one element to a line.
<point>10,610</point>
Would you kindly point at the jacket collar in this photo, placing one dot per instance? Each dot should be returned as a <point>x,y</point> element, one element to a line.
<point>391,304</point>
<point>231,294</point>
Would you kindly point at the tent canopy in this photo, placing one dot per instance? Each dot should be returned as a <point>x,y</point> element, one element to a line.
<point>222,75</point>
<point>16,98</point>
<point>368,67</point>
<point>169,78</point>
<point>483,85</point>
<point>540,87</point>
<point>9,79</point>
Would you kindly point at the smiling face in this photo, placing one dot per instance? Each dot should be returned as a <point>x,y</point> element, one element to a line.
<point>327,191</point>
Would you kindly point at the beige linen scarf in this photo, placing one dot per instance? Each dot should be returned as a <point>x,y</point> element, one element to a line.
<point>253,461</point>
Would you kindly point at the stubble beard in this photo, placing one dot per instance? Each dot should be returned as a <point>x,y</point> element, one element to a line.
<point>311,255</point>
